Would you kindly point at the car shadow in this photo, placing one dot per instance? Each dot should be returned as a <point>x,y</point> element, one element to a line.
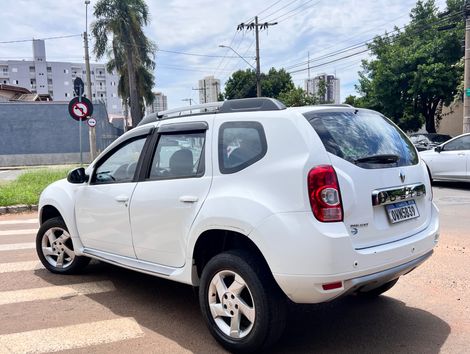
<point>451,185</point>
<point>347,325</point>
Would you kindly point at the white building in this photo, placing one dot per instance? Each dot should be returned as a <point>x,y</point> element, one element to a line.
<point>159,104</point>
<point>209,89</point>
<point>56,78</point>
<point>332,94</point>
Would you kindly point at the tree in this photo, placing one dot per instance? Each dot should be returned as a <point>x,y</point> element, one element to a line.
<point>415,72</point>
<point>242,83</point>
<point>123,21</point>
<point>297,97</point>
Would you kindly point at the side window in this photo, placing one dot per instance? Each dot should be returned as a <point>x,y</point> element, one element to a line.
<point>178,156</point>
<point>121,165</point>
<point>462,143</point>
<point>241,144</point>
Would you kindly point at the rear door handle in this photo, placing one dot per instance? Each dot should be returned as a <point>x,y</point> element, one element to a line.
<point>188,199</point>
<point>121,199</point>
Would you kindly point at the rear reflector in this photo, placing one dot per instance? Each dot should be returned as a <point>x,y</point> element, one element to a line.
<point>332,286</point>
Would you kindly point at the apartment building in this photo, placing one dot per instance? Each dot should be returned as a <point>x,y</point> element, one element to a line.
<point>55,79</point>
<point>332,93</point>
<point>209,89</point>
<point>159,104</point>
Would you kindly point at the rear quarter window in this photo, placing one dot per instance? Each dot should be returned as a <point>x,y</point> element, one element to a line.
<point>241,144</point>
<point>362,135</point>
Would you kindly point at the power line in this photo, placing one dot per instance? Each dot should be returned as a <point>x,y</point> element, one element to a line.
<point>295,9</point>
<point>43,39</point>
<point>196,54</point>
<point>361,44</point>
<point>282,8</point>
<point>357,46</point>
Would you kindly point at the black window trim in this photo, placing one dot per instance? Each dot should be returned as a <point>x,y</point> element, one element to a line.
<point>241,124</point>
<point>133,137</point>
<point>144,173</point>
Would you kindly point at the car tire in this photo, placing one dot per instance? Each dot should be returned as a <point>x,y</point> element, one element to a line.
<point>378,291</point>
<point>242,305</point>
<point>55,248</point>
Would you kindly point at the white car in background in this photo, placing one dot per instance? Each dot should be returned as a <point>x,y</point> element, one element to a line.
<point>449,161</point>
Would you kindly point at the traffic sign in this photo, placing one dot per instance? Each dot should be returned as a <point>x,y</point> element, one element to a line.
<point>78,86</point>
<point>80,108</point>
<point>91,122</point>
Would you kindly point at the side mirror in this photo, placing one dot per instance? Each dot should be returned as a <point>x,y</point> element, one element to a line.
<point>438,149</point>
<point>77,176</point>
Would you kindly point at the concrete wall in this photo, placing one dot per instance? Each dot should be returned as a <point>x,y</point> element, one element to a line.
<point>452,120</point>
<point>42,133</point>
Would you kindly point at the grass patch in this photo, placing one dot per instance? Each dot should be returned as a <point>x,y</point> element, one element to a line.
<point>27,188</point>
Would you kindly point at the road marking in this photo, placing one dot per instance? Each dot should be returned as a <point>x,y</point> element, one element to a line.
<point>55,292</point>
<point>19,221</point>
<point>17,246</point>
<point>18,232</point>
<point>70,337</point>
<point>20,266</point>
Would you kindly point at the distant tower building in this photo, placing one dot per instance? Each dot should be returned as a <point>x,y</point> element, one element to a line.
<point>332,94</point>
<point>159,104</point>
<point>209,89</point>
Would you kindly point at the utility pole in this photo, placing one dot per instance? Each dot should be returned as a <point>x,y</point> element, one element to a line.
<point>256,27</point>
<point>202,89</point>
<point>258,67</point>
<point>466,98</point>
<point>91,130</point>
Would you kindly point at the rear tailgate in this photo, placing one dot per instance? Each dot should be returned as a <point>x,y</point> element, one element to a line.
<point>385,190</point>
<point>378,207</point>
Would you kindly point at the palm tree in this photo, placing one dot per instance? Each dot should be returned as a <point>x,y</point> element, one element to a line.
<point>131,50</point>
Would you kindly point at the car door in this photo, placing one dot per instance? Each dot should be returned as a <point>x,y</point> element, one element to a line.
<point>102,206</point>
<point>165,204</point>
<point>452,161</point>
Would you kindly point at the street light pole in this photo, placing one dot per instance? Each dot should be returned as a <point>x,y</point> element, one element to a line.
<point>258,76</point>
<point>92,131</point>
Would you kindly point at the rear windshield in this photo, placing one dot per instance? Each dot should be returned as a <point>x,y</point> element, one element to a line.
<point>364,138</point>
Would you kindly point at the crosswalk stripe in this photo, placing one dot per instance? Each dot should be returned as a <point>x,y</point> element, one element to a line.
<point>70,337</point>
<point>55,292</point>
<point>17,246</point>
<point>19,221</point>
<point>18,232</point>
<point>19,266</point>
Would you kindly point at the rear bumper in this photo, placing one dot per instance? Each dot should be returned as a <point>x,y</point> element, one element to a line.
<point>303,257</point>
<point>372,281</point>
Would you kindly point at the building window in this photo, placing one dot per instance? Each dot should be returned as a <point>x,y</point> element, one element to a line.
<point>49,81</point>
<point>14,70</point>
<point>16,82</point>
<point>49,69</point>
<point>66,94</point>
<point>66,71</point>
<point>32,69</point>
<point>101,95</point>
<point>94,95</point>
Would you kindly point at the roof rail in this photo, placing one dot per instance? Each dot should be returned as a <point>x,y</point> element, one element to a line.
<point>228,106</point>
<point>337,105</point>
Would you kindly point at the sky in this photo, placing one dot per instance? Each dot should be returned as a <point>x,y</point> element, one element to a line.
<point>315,28</point>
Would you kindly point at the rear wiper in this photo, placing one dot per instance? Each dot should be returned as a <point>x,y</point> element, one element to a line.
<point>386,158</point>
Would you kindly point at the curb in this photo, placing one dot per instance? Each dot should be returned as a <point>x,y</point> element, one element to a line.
<point>15,209</point>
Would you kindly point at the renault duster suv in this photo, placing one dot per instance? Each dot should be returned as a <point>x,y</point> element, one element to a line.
<point>253,203</point>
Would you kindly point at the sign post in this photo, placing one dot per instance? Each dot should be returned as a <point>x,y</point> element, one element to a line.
<point>80,109</point>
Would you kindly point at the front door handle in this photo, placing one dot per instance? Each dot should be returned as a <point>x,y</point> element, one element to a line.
<point>121,199</point>
<point>188,199</point>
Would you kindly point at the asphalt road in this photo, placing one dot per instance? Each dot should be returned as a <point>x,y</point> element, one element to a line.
<point>109,310</point>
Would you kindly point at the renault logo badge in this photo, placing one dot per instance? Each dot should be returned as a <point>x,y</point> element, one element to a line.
<point>402,177</point>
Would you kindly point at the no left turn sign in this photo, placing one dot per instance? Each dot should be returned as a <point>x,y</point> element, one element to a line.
<point>80,109</point>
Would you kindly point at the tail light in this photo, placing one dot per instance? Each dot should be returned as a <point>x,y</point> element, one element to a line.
<point>324,194</point>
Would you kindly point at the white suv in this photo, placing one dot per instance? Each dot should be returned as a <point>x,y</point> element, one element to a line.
<point>253,203</point>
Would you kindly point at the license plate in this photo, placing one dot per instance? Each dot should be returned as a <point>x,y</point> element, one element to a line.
<point>402,211</point>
